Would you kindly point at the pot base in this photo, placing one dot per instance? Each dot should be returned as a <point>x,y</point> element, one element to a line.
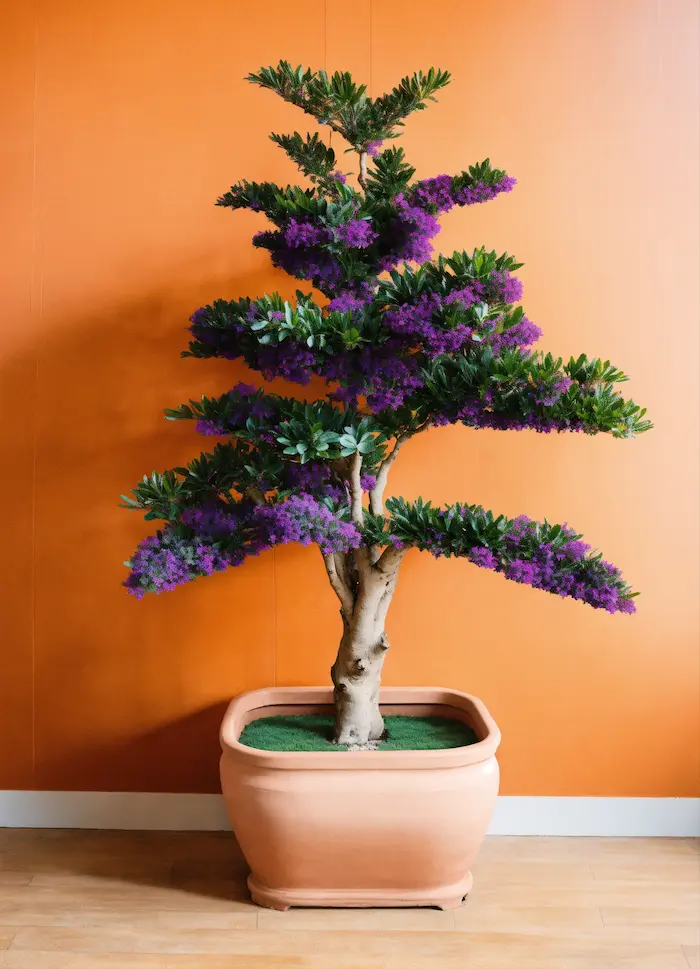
<point>446,897</point>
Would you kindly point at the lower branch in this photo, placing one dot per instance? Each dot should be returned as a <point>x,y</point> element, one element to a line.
<point>339,584</point>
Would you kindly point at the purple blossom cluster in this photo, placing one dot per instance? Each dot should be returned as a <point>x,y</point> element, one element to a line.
<point>301,249</point>
<point>300,246</point>
<point>423,319</point>
<point>165,560</point>
<point>354,298</point>
<point>560,567</point>
<point>521,334</point>
<point>443,192</point>
<point>304,519</point>
<point>563,570</point>
<point>356,234</point>
<point>417,225</point>
<point>410,235</point>
<point>213,537</point>
<point>303,234</point>
<point>242,403</point>
<point>383,374</point>
<point>479,413</point>
<point>311,262</point>
<point>314,477</point>
<point>548,396</point>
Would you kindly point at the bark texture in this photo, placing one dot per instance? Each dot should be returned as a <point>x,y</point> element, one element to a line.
<point>357,670</point>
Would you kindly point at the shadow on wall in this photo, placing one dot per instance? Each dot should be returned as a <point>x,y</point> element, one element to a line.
<point>107,667</point>
<point>189,746</point>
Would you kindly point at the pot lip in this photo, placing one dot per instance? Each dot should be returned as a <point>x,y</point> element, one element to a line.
<point>474,710</point>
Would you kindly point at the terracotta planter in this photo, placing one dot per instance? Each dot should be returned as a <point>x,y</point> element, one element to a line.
<point>364,828</point>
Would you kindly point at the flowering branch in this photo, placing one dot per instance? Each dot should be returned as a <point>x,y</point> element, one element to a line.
<point>548,557</point>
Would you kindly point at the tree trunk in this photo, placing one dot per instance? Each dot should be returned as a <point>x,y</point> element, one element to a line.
<point>357,669</point>
<point>356,676</point>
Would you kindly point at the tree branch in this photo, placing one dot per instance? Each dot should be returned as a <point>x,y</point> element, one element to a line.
<point>362,554</point>
<point>347,601</point>
<point>390,558</point>
<point>255,495</point>
<point>362,177</point>
<point>356,489</point>
<point>376,495</point>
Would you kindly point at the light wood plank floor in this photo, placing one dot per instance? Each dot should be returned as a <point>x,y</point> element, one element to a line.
<point>125,900</point>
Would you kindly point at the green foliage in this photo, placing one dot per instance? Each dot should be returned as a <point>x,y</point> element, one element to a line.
<point>410,95</point>
<point>306,430</point>
<point>443,276</point>
<point>422,525</point>
<point>343,105</point>
<point>515,381</point>
<point>277,203</point>
<point>390,174</point>
<point>231,469</point>
<point>313,157</point>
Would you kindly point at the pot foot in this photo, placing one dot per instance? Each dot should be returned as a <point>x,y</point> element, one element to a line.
<point>452,903</point>
<point>280,899</point>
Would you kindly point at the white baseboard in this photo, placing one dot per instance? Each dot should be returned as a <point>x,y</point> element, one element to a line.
<point>611,817</point>
<point>572,816</point>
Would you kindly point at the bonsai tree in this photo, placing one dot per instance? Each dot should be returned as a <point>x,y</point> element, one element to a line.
<point>402,343</point>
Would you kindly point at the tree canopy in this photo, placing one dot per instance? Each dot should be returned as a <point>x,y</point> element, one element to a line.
<point>403,341</point>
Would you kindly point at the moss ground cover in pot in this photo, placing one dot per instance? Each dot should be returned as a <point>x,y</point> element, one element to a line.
<point>404,344</point>
<point>314,732</point>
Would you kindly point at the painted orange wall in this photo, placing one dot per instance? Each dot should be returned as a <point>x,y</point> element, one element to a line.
<point>122,121</point>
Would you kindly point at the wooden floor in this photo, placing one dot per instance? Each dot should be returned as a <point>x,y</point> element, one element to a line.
<point>124,900</point>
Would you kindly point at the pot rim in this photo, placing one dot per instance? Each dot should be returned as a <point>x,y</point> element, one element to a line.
<point>469,709</point>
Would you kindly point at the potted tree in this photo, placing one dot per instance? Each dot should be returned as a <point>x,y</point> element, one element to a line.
<point>403,343</point>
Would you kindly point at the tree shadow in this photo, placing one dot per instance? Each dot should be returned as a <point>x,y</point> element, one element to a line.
<point>103,668</point>
<point>204,863</point>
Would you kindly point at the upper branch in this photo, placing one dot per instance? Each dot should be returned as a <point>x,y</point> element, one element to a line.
<point>376,495</point>
<point>355,481</point>
<point>362,177</point>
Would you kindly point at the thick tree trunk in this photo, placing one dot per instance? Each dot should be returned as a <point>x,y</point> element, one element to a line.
<point>356,676</point>
<point>357,670</point>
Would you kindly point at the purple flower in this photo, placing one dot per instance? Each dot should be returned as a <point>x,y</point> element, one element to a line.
<point>302,518</point>
<point>483,557</point>
<point>505,288</point>
<point>357,234</point>
<point>165,560</point>
<point>210,428</point>
<point>245,390</point>
<point>338,176</point>
<point>303,234</point>
<point>373,148</point>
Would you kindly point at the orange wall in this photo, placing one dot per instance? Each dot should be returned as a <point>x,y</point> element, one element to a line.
<point>122,121</point>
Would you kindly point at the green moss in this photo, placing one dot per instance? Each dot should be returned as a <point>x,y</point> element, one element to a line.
<point>313,732</point>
